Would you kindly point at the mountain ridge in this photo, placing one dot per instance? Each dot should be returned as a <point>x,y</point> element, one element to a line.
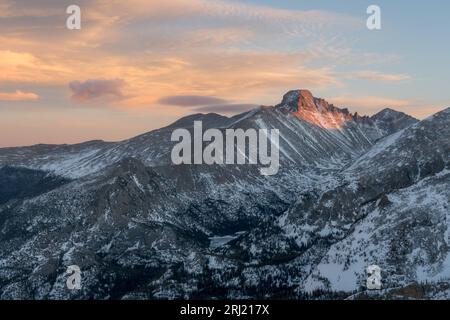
<point>142,228</point>
<point>199,116</point>
<point>154,147</point>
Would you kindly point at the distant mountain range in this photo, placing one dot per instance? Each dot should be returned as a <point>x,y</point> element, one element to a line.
<point>352,191</point>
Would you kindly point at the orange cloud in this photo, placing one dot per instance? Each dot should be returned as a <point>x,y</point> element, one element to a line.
<point>18,96</point>
<point>24,67</point>
<point>191,61</point>
<point>203,60</point>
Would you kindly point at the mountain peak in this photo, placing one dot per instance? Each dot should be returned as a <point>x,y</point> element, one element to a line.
<point>391,120</point>
<point>388,113</point>
<point>295,99</point>
<point>317,111</point>
<point>302,104</point>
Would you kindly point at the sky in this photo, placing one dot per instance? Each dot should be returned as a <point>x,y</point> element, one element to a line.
<point>138,65</point>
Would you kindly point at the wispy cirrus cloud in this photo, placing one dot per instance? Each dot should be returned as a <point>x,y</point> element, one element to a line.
<point>18,95</point>
<point>174,59</point>
<point>292,22</point>
<point>376,76</point>
<point>233,50</point>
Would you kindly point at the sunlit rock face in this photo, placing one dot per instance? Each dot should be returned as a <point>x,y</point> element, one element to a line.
<point>316,110</point>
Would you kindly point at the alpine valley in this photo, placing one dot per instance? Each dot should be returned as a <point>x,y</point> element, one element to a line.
<point>352,191</point>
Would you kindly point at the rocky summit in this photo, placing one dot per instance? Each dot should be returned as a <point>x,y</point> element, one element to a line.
<point>352,191</point>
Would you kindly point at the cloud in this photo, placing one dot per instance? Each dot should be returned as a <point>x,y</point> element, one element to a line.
<point>18,96</point>
<point>368,102</point>
<point>205,48</point>
<point>190,101</point>
<point>206,104</point>
<point>227,108</point>
<point>25,67</point>
<point>287,20</point>
<point>93,89</point>
<point>26,8</point>
<point>233,50</point>
<point>377,76</point>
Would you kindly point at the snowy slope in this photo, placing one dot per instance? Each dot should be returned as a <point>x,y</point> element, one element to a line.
<point>352,191</point>
<point>391,209</point>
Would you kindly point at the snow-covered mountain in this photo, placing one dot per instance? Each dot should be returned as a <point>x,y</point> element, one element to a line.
<point>352,191</point>
<point>312,132</point>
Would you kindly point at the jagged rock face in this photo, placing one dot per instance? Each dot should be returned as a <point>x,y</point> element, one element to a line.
<point>314,110</point>
<point>141,228</point>
<point>319,112</point>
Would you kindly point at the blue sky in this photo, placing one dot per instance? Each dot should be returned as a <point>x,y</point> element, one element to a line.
<point>115,77</point>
